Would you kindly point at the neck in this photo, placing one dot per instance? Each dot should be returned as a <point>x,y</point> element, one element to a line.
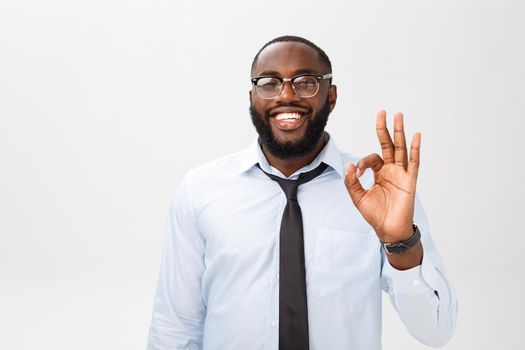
<point>291,165</point>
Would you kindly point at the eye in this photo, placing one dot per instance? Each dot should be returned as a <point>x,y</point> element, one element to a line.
<point>306,83</point>
<point>268,82</point>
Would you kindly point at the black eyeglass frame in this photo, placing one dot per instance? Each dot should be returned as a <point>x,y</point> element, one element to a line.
<point>292,79</point>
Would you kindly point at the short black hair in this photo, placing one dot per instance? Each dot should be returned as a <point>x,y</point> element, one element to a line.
<point>297,39</point>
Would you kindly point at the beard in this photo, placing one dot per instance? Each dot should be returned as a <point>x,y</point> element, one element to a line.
<point>291,149</point>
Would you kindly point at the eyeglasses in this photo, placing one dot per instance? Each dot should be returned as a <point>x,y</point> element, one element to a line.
<point>304,85</point>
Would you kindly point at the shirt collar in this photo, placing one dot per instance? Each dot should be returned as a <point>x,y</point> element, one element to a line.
<point>329,155</point>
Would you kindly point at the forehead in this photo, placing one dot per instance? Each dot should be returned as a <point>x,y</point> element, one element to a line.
<point>287,59</point>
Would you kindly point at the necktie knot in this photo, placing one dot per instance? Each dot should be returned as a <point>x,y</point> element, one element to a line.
<point>290,187</point>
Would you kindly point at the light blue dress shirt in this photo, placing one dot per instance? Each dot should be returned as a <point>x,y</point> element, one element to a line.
<point>218,287</point>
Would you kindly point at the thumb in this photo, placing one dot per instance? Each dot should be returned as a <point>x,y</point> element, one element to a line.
<point>356,191</point>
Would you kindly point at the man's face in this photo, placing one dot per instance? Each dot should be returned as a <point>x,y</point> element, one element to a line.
<point>291,137</point>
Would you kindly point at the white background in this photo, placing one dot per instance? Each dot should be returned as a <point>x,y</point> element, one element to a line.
<point>104,105</point>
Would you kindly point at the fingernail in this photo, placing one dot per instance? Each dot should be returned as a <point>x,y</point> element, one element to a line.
<point>358,172</point>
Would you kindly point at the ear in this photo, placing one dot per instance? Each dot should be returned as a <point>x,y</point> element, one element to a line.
<point>332,96</point>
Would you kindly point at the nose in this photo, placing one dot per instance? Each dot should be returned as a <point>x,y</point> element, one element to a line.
<point>287,93</point>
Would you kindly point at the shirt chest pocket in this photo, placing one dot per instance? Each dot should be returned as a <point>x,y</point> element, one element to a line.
<point>346,266</point>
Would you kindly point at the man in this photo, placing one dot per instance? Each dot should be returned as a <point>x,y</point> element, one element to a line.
<point>252,261</point>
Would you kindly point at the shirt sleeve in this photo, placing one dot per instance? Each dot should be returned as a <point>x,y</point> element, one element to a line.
<point>178,310</point>
<point>423,296</point>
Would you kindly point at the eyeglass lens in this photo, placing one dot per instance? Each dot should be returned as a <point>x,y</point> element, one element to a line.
<point>304,86</point>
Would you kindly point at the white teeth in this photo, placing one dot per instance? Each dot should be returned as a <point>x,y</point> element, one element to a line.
<point>284,116</point>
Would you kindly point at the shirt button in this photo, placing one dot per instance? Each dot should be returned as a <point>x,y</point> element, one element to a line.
<point>416,283</point>
<point>275,323</point>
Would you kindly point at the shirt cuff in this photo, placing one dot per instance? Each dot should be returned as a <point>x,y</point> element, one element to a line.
<point>409,281</point>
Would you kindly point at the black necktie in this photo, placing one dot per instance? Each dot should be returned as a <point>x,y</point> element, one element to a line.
<point>293,310</point>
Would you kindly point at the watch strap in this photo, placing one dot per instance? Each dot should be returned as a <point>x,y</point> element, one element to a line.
<point>401,247</point>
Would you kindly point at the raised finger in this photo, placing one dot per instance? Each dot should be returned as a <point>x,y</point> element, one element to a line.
<point>373,161</point>
<point>387,147</point>
<point>356,191</point>
<point>413,164</point>
<point>400,144</point>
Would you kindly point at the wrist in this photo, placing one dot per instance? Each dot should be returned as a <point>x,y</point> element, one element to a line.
<point>400,236</point>
<point>412,257</point>
<point>401,246</point>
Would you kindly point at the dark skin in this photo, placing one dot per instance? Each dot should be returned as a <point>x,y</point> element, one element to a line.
<point>388,206</point>
<point>288,60</point>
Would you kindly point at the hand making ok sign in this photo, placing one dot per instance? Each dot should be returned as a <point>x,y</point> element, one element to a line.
<point>388,206</point>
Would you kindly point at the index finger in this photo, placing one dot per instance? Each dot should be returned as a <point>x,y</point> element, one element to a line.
<point>387,146</point>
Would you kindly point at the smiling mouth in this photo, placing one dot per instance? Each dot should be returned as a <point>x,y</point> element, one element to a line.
<point>288,116</point>
<point>288,121</point>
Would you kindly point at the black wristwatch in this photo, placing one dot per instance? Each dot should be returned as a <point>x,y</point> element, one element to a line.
<point>401,247</point>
